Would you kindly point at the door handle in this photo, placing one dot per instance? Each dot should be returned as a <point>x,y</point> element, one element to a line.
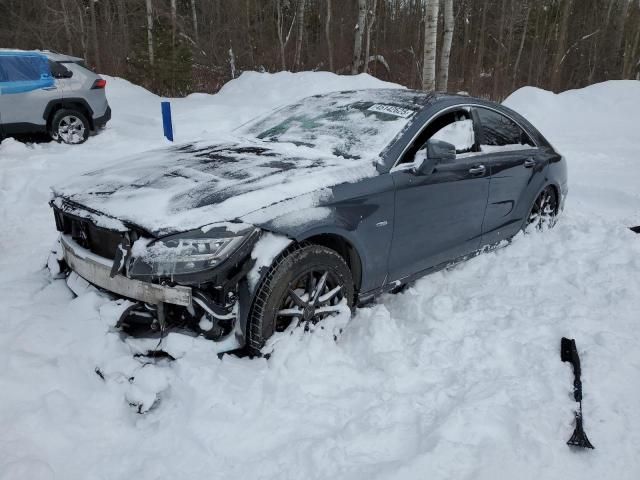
<point>530,163</point>
<point>478,170</point>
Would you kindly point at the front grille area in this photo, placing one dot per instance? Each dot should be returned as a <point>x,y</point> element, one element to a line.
<point>98,240</point>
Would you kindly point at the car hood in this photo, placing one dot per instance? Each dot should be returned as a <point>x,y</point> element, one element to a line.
<point>198,184</point>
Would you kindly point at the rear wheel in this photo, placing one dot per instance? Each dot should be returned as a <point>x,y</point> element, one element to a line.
<point>544,210</point>
<point>307,283</point>
<point>70,126</point>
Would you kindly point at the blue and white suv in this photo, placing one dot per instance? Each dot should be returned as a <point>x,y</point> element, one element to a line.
<point>46,92</point>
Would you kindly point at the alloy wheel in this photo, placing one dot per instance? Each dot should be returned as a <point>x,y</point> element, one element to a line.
<point>544,210</point>
<point>71,129</point>
<point>311,297</point>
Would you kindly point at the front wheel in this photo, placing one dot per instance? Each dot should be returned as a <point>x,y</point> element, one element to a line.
<point>544,210</point>
<point>307,283</point>
<point>70,127</point>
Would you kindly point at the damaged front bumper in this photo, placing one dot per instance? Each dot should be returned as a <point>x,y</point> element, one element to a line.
<point>97,271</point>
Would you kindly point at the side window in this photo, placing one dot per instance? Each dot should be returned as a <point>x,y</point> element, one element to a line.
<point>58,70</point>
<point>500,132</point>
<point>454,127</point>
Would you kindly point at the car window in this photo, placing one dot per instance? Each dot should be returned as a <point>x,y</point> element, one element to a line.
<point>501,133</point>
<point>16,68</point>
<point>454,127</point>
<point>58,70</point>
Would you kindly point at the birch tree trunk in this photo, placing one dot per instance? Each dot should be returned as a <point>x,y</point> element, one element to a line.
<point>371,18</point>
<point>327,34</point>
<point>430,45</point>
<point>357,41</point>
<point>296,61</point>
<point>447,38</point>
<point>150,31</point>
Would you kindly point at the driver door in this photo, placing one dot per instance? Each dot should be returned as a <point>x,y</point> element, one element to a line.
<point>438,216</point>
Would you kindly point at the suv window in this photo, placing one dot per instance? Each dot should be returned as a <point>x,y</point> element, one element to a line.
<point>500,132</point>
<point>58,70</point>
<point>454,127</point>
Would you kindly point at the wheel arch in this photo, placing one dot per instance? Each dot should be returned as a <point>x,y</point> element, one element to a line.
<point>343,247</point>
<point>79,104</point>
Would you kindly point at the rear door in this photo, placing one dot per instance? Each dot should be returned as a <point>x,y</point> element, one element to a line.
<point>513,160</point>
<point>438,217</point>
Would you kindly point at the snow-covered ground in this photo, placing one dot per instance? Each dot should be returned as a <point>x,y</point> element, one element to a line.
<point>458,377</point>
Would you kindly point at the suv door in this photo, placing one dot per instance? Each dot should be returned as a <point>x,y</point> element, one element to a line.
<point>513,159</point>
<point>438,216</point>
<point>25,90</point>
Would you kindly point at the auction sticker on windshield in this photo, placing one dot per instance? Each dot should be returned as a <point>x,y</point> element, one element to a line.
<point>391,110</point>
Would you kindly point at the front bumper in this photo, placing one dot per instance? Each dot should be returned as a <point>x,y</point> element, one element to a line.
<point>97,271</point>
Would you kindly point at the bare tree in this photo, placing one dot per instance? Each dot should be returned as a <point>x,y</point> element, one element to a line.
<point>357,37</point>
<point>561,45</point>
<point>371,18</point>
<point>327,34</point>
<point>94,35</point>
<point>194,20</point>
<point>149,6</point>
<point>522,39</point>
<point>557,44</point>
<point>430,45</point>
<point>298,55</point>
<point>445,53</point>
<point>282,38</point>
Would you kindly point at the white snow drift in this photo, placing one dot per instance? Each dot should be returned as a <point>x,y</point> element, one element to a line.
<point>458,377</point>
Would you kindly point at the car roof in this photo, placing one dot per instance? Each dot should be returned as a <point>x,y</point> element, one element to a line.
<point>54,56</point>
<point>407,97</point>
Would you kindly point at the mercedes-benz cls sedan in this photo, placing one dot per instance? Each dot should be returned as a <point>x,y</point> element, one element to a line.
<point>308,211</point>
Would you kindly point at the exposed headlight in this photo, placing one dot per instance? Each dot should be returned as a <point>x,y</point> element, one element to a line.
<point>187,253</point>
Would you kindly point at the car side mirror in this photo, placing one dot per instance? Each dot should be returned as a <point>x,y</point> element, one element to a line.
<point>437,152</point>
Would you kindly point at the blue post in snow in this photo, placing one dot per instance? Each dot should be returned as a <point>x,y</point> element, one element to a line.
<point>167,124</point>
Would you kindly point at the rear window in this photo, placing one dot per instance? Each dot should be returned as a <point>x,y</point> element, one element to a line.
<point>500,131</point>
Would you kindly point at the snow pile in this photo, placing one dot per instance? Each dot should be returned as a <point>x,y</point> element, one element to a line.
<point>458,377</point>
<point>596,128</point>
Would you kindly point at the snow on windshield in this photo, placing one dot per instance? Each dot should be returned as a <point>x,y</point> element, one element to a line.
<point>354,124</point>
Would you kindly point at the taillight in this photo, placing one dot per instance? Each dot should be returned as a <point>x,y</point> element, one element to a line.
<point>99,83</point>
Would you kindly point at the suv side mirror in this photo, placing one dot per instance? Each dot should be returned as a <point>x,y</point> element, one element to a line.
<point>437,152</point>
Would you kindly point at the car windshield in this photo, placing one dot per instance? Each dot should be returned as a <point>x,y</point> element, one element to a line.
<point>354,124</point>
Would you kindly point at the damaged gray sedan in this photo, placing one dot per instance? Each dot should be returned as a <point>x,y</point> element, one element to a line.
<point>305,213</point>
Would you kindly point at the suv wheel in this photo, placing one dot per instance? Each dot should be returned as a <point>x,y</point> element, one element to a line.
<point>69,126</point>
<point>306,283</point>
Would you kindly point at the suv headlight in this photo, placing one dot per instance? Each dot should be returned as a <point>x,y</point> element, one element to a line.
<point>186,253</point>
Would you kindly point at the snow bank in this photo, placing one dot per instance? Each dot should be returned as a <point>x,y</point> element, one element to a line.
<point>458,377</point>
<point>596,128</point>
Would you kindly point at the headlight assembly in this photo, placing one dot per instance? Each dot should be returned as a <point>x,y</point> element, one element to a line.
<point>186,253</point>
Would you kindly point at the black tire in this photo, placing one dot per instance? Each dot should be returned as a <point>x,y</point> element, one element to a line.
<point>70,126</point>
<point>544,211</point>
<point>279,291</point>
